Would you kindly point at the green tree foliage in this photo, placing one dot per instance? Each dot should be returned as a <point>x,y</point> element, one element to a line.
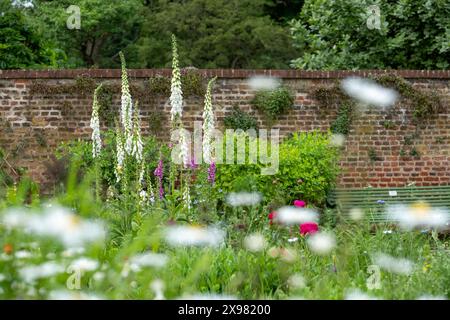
<point>334,35</point>
<point>212,34</point>
<point>106,27</point>
<point>21,46</point>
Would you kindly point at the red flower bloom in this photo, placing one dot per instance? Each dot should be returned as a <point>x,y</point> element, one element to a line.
<point>308,227</point>
<point>272,216</point>
<point>299,203</point>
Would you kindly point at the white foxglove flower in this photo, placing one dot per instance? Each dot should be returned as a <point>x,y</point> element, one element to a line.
<point>187,196</point>
<point>176,94</point>
<point>184,148</point>
<point>137,145</point>
<point>126,110</point>
<point>120,154</point>
<point>208,124</point>
<point>95,125</point>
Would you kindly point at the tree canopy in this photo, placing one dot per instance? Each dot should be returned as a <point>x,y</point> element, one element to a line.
<point>305,34</point>
<point>334,35</point>
<point>22,46</point>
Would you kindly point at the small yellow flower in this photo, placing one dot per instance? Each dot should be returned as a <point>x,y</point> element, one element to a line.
<point>420,208</point>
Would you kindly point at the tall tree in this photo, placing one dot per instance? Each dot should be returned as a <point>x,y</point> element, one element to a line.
<point>21,46</point>
<point>412,34</point>
<point>212,34</point>
<point>106,26</point>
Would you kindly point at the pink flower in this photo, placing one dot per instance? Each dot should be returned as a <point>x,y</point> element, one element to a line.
<point>308,227</point>
<point>299,203</point>
<point>272,216</point>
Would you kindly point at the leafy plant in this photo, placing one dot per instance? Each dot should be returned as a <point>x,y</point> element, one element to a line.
<point>273,103</point>
<point>82,151</point>
<point>343,120</point>
<point>424,104</point>
<point>388,124</point>
<point>308,167</point>
<point>239,119</point>
<point>373,156</point>
<point>333,35</point>
<point>414,152</point>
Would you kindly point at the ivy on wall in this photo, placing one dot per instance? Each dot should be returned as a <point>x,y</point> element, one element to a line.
<point>424,105</point>
<point>193,84</point>
<point>273,103</point>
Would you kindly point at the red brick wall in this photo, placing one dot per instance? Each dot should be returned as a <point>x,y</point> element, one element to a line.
<point>29,119</point>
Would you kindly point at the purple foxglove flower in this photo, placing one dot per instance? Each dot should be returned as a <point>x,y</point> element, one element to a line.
<point>159,172</point>
<point>212,172</point>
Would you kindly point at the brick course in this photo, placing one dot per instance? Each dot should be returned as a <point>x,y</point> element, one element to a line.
<point>29,119</point>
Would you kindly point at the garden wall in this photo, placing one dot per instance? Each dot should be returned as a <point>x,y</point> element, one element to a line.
<point>39,109</point>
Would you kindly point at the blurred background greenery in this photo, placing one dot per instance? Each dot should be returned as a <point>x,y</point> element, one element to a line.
<point>307,34</point>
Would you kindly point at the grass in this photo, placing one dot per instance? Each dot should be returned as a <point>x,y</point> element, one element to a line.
<point>230,269</point>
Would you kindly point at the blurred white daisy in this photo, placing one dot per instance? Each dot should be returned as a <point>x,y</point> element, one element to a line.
<point>45,270</point>
<point>98,276</point>
<point>70,252</point>
<point>84,264</point>
<point>418,215</point>
<point>321,242</point>
<point>296,281</point>
<point>149,259</point>
<point>369,92</point>
<point>236,199</point>
<point>290,215</point>
<point>207,296</point>
<point>263,83</point>
<point>72,295</point>
<point>356,294</point>
<point>337,140</point>
<point>194,236</point>
<point>285,254</point>
<point>23,254</point>
<point>431,297</point>
<point>157,286</point>
<point>356,214</point>
<point>255,242</point>
<point>392,264</point>
<point>56,222</point>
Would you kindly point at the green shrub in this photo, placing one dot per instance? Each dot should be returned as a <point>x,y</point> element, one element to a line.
<point>308,167</point>
<point>239,119</point>
<point>273,103</point>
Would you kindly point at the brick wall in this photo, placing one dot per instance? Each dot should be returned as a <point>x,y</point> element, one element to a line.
<point>33,124</point>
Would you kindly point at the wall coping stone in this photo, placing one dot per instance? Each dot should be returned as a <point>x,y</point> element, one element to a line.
<point>220,73</point>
